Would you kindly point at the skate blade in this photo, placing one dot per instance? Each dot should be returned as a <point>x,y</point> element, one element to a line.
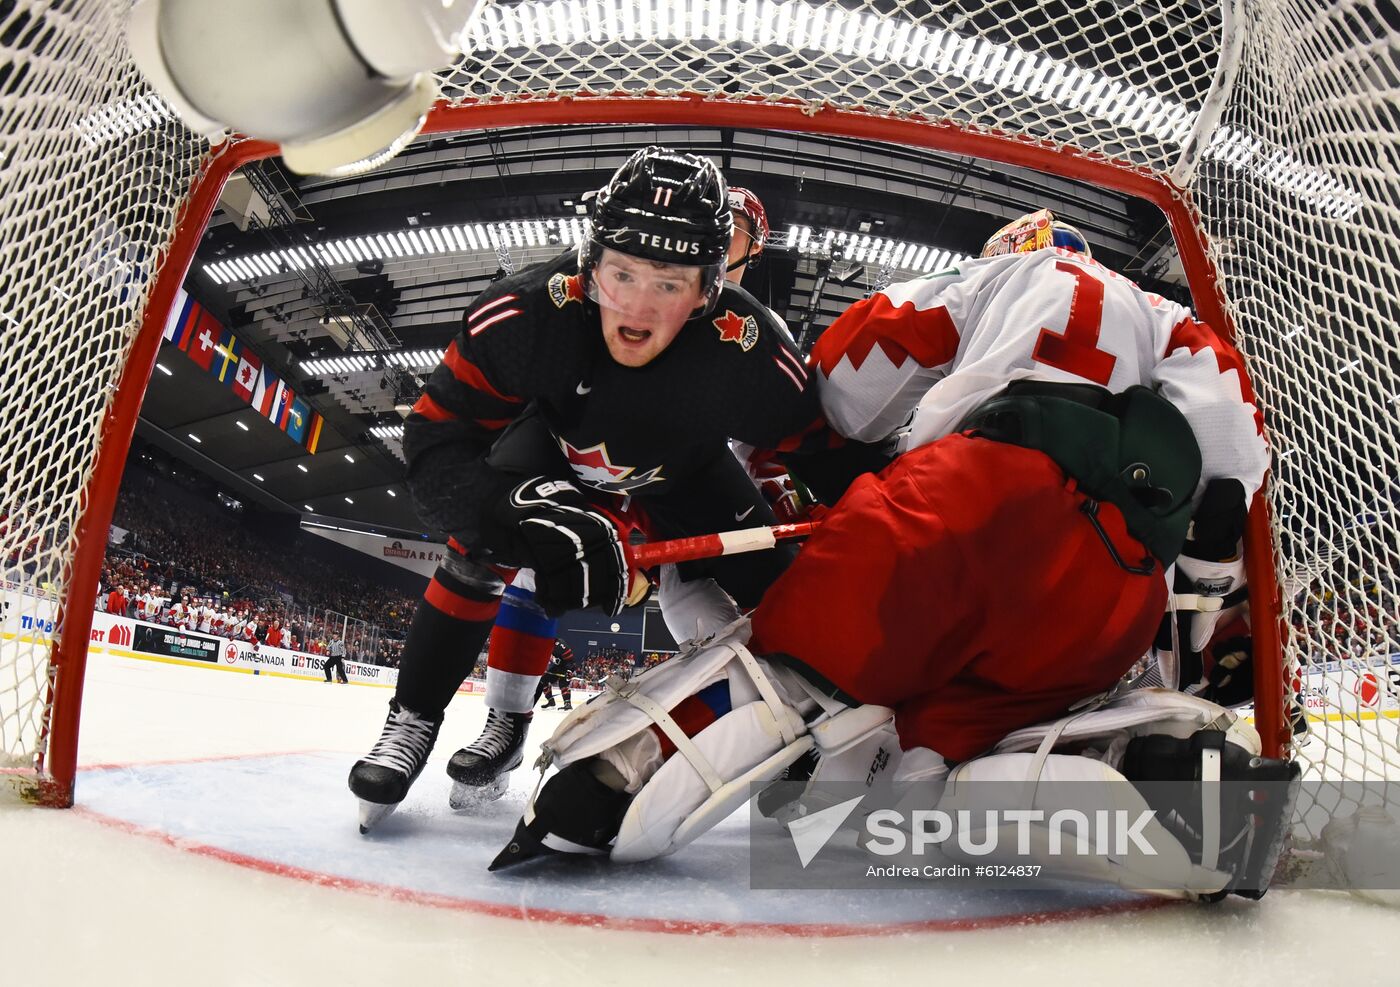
<point>373,813</point>
<point>466,798</point>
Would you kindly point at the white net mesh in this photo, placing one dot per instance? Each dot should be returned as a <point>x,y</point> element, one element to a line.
<point>1278,119</point>
<point>92,173</point>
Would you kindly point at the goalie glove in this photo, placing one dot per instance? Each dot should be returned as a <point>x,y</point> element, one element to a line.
<point>574,547</point>
<point>1210,576</point>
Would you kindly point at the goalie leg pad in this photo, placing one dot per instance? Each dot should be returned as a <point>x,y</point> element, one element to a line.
<point>1069,798</point>
<point>617,714</point>
<point>855,745</point>
<point>694,610</point>
<point>752,729</point>
<point>688,795</point>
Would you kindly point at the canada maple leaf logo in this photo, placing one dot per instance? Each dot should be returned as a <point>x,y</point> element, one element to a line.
<point>736,328</point>
<point>595,468</point>
<point>565,288</point>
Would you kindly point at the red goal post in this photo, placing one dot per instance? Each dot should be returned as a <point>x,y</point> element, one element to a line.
<point>1243,136</point>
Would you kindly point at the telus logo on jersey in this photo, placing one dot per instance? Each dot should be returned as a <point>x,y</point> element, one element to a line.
<point>735,328</point>
<point>565,288</point>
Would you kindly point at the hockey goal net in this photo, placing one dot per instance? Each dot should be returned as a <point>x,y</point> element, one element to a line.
<point>1265,130</point>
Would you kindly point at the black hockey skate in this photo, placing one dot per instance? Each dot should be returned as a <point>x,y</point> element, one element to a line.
<point>480,772</point>
<point>382,777</point>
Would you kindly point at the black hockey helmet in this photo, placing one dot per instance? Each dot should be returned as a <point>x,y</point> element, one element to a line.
<point>664,206</point>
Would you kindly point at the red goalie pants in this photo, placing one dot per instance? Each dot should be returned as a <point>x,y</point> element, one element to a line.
<point>965,588</point>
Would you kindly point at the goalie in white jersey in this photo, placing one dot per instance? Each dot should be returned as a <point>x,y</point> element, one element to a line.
<point>1059,429</point>
<point>1035,305</point>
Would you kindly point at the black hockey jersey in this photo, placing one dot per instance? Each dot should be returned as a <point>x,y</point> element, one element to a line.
<point>534,341</point>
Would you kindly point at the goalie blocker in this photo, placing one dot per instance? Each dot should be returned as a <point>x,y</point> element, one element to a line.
<point>653,764</point>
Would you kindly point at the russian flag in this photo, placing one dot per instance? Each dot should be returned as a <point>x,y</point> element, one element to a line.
<point>177,322</point>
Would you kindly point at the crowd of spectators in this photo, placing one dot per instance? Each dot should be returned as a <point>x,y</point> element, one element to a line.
<point>206,570</point>
<point>1356,623</point>
<point>135,586</point>
<point>599,663</point>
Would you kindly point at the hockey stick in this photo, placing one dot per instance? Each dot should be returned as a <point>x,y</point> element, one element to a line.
<point>723,543</point>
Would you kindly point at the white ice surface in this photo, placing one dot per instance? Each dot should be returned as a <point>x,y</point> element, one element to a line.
<point>85,902</point>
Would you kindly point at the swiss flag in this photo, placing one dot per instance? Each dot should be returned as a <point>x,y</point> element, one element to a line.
<point>249,371</point>
<point>204,338</point>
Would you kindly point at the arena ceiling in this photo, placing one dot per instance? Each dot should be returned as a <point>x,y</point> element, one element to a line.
<point>409,245</point>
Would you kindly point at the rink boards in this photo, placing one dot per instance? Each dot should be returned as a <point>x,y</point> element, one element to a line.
<point>28,623</point>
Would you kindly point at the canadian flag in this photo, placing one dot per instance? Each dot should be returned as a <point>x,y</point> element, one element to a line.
<point>249,370</point>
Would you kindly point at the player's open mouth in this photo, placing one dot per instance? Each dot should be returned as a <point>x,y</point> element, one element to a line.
<point>631,335</point>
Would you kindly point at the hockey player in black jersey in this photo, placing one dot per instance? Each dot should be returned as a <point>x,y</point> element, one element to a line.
<point>560,671</point>
<point>583,397</point>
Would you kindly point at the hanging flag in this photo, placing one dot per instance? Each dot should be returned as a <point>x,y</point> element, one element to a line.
<point>225,362</point>
<point>224,356</point>
<point>282,405</point>
<point>313,435</point>
<point>177,319</point>
<point>203,337</point>
<point>298,418</point>
<point>248,376</point>
<point>264,391</point>
<point>276,390</point>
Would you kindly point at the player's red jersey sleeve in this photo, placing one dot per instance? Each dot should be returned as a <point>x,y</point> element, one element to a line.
<point>1205,378</point>
<point>882,355</point>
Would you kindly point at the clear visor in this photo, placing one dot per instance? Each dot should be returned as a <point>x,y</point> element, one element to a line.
<point>644,292</point>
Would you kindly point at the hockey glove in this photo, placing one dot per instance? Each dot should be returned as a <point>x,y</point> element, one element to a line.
<point>1230,672</point>
<point>573,546</point>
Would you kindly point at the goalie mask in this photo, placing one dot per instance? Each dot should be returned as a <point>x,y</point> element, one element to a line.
<point>1035,231</point>
<point>665,207</point>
